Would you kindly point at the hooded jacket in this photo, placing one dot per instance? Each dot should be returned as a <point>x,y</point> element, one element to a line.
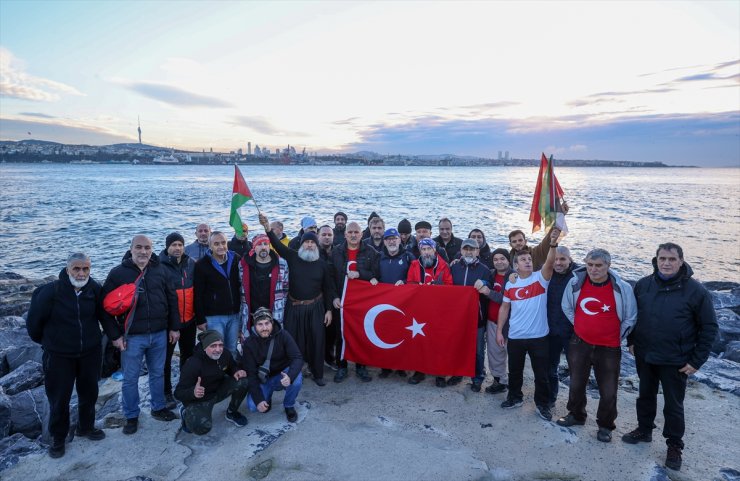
<point>452,248</point>
<point>438,274</point>
<point>211,373</point>
<point>216,292</point>
<point>465,275</point>
<point>63,322</point>
<point>196,250</point>
<point>367,264</point>
<point>676,321</point>
<point>278,286</point>
<point>392,269</point>
<point>558,322</point>
<point>181,278</point>
<point>241,247</point>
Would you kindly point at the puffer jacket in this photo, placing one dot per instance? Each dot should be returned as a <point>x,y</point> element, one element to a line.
<point>211,373</point>
<point>181,278</point>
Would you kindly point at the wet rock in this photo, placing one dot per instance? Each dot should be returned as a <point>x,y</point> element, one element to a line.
<point>728,474</point>
<point>261,470</point>
<point>732,351</point>
<point>729,329</point>
<point>28,410</point>
<point>27,376</point>
<point>723,299</point>
<point>10,276</point>
<point>720,374</point>
<point>721,285</point>
<point>17,356</point>
<point>5,408</point>
<point>14,447</point>
<point>12,322</point>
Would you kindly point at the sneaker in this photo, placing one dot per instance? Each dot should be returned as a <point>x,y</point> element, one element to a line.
<point>673,458</point>
<point>544,412</point>
<point>183,426</point>
<point>237,418</point>
<point>454,380</point>
<point>341,374</point>
<point>401,373</point>
<point>384,373</point>
<point>638,436</point>
<point>363,374</point>
<point>475,387</point>
<point>131,426</point>
<point>604,435</point>
<point>56,450</point>
<point>319,381</point>
<point>440,382</point>
<point>512,403</point>
<point>169,401</point>
<point>496,388</point>
<point>91,434</point>
<point>330,365</point>
<point>117,376</point>
<point>163,415</point>
<point>291,415</point>
<point>569,421</point>
<point>417,377</point>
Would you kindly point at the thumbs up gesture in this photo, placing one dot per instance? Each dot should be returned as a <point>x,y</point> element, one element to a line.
<point>199,390</point>
<point>285,379</point>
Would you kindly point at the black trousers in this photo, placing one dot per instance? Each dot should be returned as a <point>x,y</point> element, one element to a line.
<point>558,345</point>
<point>333,339</point>
<point>60,376</point>
<point>538,350</point>
<point>199,414</point>
<point>187,345</point>
<point>674,392</point>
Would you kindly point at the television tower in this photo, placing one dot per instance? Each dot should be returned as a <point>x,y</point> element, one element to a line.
<point>138,119</point>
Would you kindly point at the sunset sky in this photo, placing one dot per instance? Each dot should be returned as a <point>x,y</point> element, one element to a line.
<point>643,81</point>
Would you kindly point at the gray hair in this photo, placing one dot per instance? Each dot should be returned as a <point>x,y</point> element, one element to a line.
<point>214,234</point>
<point>597,254</point>
<point>77,256</point>
<point>564,251</point>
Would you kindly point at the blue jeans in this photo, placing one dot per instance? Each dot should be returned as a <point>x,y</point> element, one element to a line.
<point>558,344</point>
<point>480,356</point>
<point>272,385</point>
<point>153,347</point>
<point>228,326</point>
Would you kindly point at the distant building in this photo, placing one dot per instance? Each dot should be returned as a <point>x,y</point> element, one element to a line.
<point>257,150</point>
<point>239,151</point>
<point>500,156</point>
<point>249,148</point>
<point>506,155</point>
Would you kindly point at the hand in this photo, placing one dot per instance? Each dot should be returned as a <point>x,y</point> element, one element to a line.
<point>120,343</point>
<point>285,380</point>
<point>202,327</point>
<point>688,369</point>
<point>500,339</point>
<point>484,290</point>
<point>327,318</point>
<point>554,234</point>
<point>337,303</point>
<point>264,222</point>
<point>399,283</point>
<point>240,374</point>
<point>454,261</point>
<point>241,337</point>
<point>174,336</point>
<point>199,390</point>
<point>565,207</point>
<point>374,281</point>
<point>513,277</point>
<point>263,406</point>
<point>353,274</point>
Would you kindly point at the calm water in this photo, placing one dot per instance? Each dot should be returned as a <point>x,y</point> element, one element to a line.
<point>47,211</point>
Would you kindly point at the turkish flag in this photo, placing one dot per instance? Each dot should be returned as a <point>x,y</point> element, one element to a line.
<point>426,328</point>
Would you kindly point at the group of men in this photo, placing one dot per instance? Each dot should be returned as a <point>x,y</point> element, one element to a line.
<point>263,307</point>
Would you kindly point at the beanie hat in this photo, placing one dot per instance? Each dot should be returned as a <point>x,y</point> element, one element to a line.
<point>427,242</point>
<point>208,337</point>
<point>309,236</point>
<point>404,227</point>
<point>422,224</point>
<point>374,214</point>
<point>175,236</point>
<point>342,214</point>
<point>503,252</point>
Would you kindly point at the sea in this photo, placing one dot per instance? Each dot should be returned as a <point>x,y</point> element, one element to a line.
<point>51,210</point>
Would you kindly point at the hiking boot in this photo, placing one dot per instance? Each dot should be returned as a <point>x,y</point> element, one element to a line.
<point>169,401</point>
<point>417,377</point>
<point>638,436</point>
<point>319,381</point>
<point>496,388</point>
<point>604,435</point>
<point>91,434</point>
<point>363,374</point>
<point>131,426</point>
<point>454,380</point>
<point>400,373</point>
<point>163,415</point>
<point>673,458</point>
<point>237,418</point>
<point>341,374</point>
<point>384,373</point>
<point>56,450</point>
<point>512,403</point>
<point>440,382</point>
<point>475,386</point>
<point>291,415</point>
<point>569,420</point>
<point>183,426</point>
<point>544,412</point>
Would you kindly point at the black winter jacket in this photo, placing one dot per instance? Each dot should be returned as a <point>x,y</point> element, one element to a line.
<point>63,322</point>
<point>210,372</point>
<point>367,264</point>
<point>392,269</point>
<point>556,320</point>
<point>452,248</point>
<point>213,293</point>
<point>465,275</point>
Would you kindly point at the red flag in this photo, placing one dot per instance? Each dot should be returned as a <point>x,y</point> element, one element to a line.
<point>431,329</point>
<point>546,203</point>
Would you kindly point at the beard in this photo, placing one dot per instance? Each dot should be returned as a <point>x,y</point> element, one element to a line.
<point>214,356</point>
<point>78,284</point>
<point>263,254</point>
<point>308,255</point>
<point>427,261</point>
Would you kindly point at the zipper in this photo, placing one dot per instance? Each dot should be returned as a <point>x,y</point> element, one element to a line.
<point>79,321</point>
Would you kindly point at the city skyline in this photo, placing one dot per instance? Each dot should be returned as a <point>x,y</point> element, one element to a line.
<point>642,81</point>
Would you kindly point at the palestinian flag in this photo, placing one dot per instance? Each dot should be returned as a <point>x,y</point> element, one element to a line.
<point>239,196</point>
<point>547,202</point>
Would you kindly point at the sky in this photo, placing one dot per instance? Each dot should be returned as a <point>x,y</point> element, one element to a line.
<point>639,81</point>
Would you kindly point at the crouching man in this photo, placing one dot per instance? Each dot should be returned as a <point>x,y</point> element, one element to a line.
<point>273,362</point>
<point>209,376</point>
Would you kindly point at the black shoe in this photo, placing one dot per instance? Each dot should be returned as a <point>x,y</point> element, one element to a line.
<point>569,421</point>
<point>440,382</point>
<point>512,403</point>
<point>91,434</point>
<point>291,415</point>
<point>169,401</point>
<point>320,381</point>
<point>183,426</point>
<point>163,415</point>
<point>672,458</point>
<point>384,373</point>
<point>496,388</point>
<point>417,377</point>
<point>401,373</point>
<point>638,436</point>
<point>341,374</point>
<point>454,380</point>
<point>363,374</point>
<point>475,387</point>
<point>131,426</point>
<point>604,435</point>
<point>237,418</point>
<point>544,412</point>
<point>56,450</point>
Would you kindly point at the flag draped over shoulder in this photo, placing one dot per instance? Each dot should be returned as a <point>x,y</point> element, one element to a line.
<point>411,327</point>
<point>547,201</point>
<point>239,196</point>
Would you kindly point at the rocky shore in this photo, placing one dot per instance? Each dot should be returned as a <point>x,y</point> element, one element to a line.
<point>385,429</point>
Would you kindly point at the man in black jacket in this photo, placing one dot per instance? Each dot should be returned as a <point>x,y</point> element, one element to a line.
<point>64,318</point>
<point>561,329</point>
<point>676,326</point>
<point>447,240</point>
<point>143,332</point>
<point>282,371</point>
<point>209,376</point>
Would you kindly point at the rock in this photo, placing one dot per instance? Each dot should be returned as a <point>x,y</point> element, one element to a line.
<point>5,408</point>
<point>27,376</point>
<point>720,374</point>
<point>14,447</point>
<point>729,329</point>
<point>722,299</point>
<point>12,322</point>
<point>16,357</point>
<point>29,408</point>
<point>14,306</point>
<point>10,276</point>
<point>728,474</point>
<point>732,351</point>
<point>721,285</point>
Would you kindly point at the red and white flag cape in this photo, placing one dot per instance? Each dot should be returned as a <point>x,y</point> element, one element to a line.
<point>431,329</point>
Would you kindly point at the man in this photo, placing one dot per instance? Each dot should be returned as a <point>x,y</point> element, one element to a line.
<point>199,247</point>
<point>518,242</point>
<point>340,224</point>
<point>404,231</point>
<point>375,241</point>
<point>525,311</point>
<point>180,269</point>
<point>282,371</point>
<point>64,318</point>
<point>265,282</point>
<point>352,260</point>
<point>447,240</point>
<point>484,255</point>
<point>208,377</point>
<point>429,269</point>
<point>240,243</point>
<point>561,328</point>
<point>277,227</point>
<point>366,232</point>
<point>602,308</point>
<point>496,353</point>
<point>393,268</point>
<point>326,246</point>
<point>144,332</point>
<point>326,241</point>
<point>308,224</point>
<point>216,289</point>
<point>471,272</point>
<point>423,230</point>
<point>310,296</point>
<point>676,326</point>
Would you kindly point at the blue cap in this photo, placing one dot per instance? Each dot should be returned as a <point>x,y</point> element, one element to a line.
<point>390,233</point>
<point>307,222</point>
<point>427,242</point>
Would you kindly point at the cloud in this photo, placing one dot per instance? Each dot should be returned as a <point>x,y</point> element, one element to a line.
<point>37,114</point>
<point>64,131</point>
<point>16,83</point>
<point>603,97</point>
<point>174,96</point>
<point>263,126</point>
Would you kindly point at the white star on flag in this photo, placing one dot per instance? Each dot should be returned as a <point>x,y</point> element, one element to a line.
<point>416,328</point>
<point>605,308</point>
